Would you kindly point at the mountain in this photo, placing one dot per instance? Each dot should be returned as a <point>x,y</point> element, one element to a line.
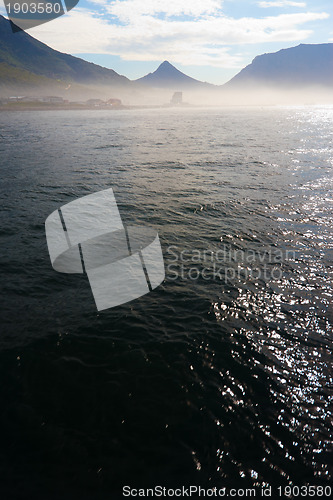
<point>168,77</point>
<point>28,57</point>
<point>27,66</point>
<point>304,65</point>
<point>21,80</point>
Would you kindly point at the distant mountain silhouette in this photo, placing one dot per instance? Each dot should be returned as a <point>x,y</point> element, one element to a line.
<point>304,65</point>
<point>168,77</point>
<point>27,65</point>
<point>27,56</point>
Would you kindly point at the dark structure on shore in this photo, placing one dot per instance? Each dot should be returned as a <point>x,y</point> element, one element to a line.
<point>177,98</point>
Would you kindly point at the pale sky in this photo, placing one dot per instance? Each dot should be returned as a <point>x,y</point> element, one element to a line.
<point>210,40</point>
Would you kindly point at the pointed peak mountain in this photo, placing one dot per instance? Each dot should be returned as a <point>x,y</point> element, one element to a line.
<point>165,64</point>
<point>168,76</point>
<point>168,70</point>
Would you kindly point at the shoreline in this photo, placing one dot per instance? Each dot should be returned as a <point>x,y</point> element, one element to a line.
<point>15,107</point>
<point>69,107</point>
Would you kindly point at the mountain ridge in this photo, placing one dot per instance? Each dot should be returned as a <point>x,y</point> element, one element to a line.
<point>22,51</point>
<point>302,65</point>
<point>27,64</point>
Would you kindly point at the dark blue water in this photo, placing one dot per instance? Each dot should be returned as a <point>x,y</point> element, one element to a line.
<point>223,382</point>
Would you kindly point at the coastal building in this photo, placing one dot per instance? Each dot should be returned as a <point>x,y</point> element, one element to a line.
<point>16,98</point>
<point>114,102</point>
<point>95,102</point>
<point>53,99</point>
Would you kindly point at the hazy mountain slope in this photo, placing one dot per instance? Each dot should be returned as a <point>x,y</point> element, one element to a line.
<point>14,81</point>
<point>304,65</point>
<point>167,76</point>
<point>11,76</point>
<point>24,52</point>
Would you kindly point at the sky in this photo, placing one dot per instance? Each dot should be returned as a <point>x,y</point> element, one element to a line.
<point>211,40</point>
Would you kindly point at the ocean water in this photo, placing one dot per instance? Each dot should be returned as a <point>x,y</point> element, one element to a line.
<point>222,376</point>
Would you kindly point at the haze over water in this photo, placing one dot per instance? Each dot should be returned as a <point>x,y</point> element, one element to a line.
<point>216,382</point>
